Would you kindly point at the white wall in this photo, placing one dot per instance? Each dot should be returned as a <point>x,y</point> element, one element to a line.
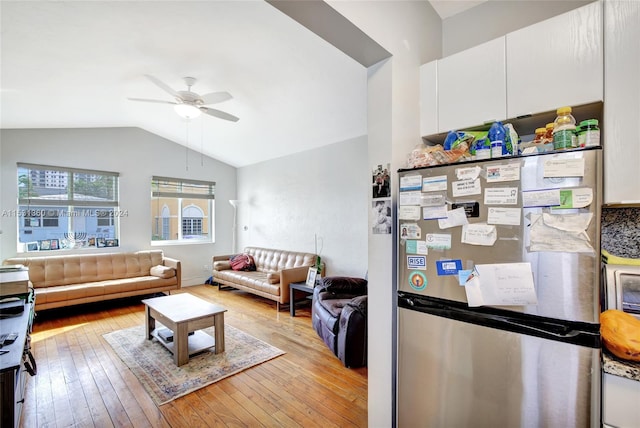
<point>411,31</point>
<point>493,19</point>
<point>137,155</point>
<point>285,202</point>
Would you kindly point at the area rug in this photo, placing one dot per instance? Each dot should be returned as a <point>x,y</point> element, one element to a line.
<point>153,364</point>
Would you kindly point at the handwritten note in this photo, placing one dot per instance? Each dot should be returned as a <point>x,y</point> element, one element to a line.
<point>502,284</point>
<point>479,234</point>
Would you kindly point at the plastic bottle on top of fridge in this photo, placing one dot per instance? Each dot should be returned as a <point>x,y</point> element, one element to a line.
<point>564,136</point>
<point>497,138</point>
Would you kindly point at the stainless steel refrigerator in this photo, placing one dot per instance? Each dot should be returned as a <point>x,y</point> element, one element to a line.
<point>510,361</point>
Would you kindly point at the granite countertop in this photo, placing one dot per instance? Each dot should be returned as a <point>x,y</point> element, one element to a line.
<point>619,367</point>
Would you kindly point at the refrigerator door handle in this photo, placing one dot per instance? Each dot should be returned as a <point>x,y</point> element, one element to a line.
<point>488,316</point>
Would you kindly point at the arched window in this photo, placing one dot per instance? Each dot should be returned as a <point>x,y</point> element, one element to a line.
<point>192,216</point>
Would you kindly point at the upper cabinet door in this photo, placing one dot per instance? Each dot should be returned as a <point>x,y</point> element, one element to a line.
<point>429,98</point>
<point>471,86</point>
<point>555,63</point>
<point>621,139</point>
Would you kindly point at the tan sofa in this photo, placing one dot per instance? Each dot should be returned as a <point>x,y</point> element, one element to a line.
<point>275,270</point>
<point>83,278</point>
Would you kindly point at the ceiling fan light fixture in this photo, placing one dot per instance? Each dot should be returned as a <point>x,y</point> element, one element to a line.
<point>187,111</point>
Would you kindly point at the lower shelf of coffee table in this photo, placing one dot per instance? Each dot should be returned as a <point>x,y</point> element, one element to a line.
<point>199,341</point>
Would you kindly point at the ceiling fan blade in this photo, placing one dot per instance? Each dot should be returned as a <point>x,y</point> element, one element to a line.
<point>219,114</point>
<point>162,85</point>
<point>151,101</point>
<point>215,97</point>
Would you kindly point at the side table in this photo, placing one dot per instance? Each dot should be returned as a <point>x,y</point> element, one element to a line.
<point>300,286</point>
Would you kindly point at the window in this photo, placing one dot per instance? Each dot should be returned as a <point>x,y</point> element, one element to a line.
<point>181,210</point>
<point>75,208</point>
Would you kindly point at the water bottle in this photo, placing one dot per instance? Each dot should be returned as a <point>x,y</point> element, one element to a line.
<point>497,138</point>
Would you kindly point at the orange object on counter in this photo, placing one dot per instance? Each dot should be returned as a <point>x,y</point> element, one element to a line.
<point>621,334</point>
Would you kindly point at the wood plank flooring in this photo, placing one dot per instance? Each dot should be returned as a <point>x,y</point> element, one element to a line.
<point>81,382</point>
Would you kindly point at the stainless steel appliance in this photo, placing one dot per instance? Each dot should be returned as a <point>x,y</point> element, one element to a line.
<point>620,396</point>
<point>622,288</point>
<point>527,365</point>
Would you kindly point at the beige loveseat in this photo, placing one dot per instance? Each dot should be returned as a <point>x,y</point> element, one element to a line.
<point>275,270</point>
<point>83,278</point>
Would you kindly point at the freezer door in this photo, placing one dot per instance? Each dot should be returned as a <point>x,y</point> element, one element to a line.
<point>455,374</point>
<point>567,283</point>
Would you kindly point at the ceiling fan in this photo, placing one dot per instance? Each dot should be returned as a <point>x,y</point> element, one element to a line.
<point>189,104</point>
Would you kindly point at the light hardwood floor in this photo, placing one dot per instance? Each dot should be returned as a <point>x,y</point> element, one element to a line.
<point>81,382</point>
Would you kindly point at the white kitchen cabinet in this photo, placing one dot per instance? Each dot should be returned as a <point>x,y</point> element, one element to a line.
<point>556,62</point>
<point>429,98</point>
<point>620,401</point>
<point>471,86</point>
<point>621,139</point>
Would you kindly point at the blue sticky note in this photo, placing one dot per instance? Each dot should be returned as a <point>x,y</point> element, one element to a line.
<point>463,275</point>
<point>412,246</point>
<point>448,267</point>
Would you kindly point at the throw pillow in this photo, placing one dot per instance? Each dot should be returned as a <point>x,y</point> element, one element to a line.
<point>163,271</point>
<point>242,262</point>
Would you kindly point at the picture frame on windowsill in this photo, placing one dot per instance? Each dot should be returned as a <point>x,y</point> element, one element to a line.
<point>311,277</point>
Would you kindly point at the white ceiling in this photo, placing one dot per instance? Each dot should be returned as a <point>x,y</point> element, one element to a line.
<point>448,8</point>
<point>72,64</point>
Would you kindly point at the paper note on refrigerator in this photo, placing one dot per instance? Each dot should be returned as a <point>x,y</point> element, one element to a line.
<point>479,234</point>
<point>501,284</point>
<point>454,218</point>
<point>408,212</point>
<point>560,232</point>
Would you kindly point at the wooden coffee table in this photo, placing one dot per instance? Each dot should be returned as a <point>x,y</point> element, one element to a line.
<point>182,314</point>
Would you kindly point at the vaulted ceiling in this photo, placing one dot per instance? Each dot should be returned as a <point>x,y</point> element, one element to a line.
<point>74,64</point>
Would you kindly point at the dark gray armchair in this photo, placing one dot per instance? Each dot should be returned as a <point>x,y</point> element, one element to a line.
<point>339,316</point>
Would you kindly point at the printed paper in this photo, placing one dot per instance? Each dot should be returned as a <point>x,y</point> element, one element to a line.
<point>448,267</point>
<point>466,187</point>
<point>504,284</point>
<point>501,196</point>
<point>410,182</point>
<point>470,173</point>
<point>540,198</point>
<point>417,262</point>
<point>434,213</point>
<point>409,198</point>
<point>576,198</point>
<point>454,218</point>
<point>409,213</point>
<point>498,173</point>
<point>432,199</point>
<point>559,167</point>
<point>434,184</point>
<point>504,216</point>
<point>410,231</point>
<point>479,234</point>
<point>438,241</point>
<point>560,232</point>
<point>416,247</point>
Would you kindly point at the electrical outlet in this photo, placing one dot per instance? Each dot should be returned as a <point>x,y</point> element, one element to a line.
<point>206,267</point>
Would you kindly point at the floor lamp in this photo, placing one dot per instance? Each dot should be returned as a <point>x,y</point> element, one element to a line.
<point>234,203</point>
